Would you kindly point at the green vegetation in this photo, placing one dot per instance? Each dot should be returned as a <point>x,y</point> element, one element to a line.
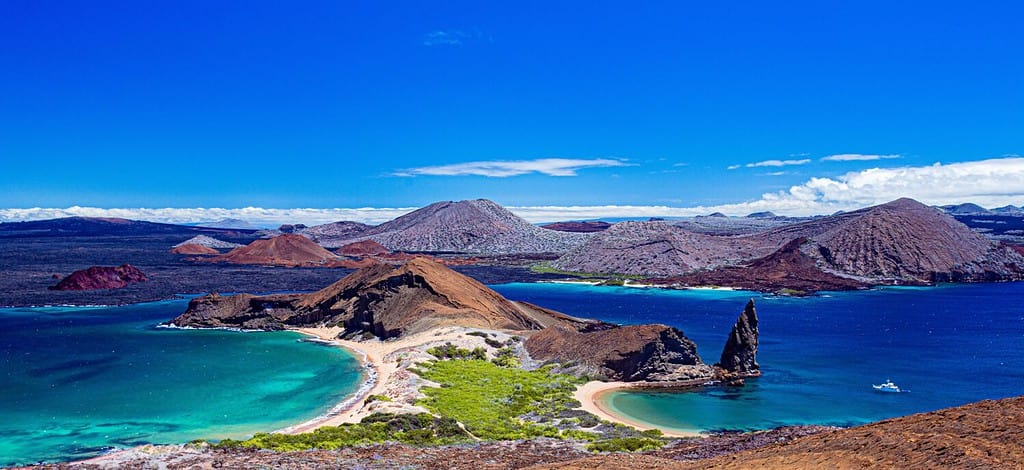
<point>450,351</point>
<point>373,398</point>
<point>625,444</point>
<point>506,357</point>
<point>419,429</point>
<point>792,292</point>
<point>490,400</point>
<point>546,268</point>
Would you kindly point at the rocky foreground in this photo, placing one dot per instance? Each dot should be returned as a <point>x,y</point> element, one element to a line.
<point>987,434</point>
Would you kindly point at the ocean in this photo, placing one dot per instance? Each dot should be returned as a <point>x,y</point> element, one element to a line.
<point>948,345</point>
<point>80,381</point>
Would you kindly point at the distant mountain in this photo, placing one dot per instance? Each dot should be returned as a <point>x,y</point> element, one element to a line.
<point>228,224</point>
<point>193,249</point>
<point>963,209</point>
<point>283,250</point>
<point>207,241</point>
<point>903,240</point>
<point>478,226</point>
<point>578,227</point>
<point>761,215</point>
<point>334,234</point>
<point>104,226</point>
<point>657,248</point>
<point>1008,210</point>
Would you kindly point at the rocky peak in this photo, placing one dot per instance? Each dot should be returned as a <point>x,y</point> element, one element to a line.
<point>740,352</point>
<point>626,353</point>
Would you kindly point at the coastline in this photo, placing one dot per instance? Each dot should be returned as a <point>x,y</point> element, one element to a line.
<point>590,396</point>
<point>347,410</point>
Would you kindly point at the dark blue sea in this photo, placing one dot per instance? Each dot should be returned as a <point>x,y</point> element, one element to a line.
<point>948,345</point>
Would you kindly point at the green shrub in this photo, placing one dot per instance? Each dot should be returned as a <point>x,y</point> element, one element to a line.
<point>489,400</point>
<point>506,357</point>
<point>450,351</point>
<point>373,398</point>
<point>625,444</point>
<point>414,429</point>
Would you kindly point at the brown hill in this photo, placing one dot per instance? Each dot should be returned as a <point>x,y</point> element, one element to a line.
<point>283,250</point>
<point>788,270</point>
<point>478,226</point>
<point>193,249</point>
<point>579,227</point>
<point>363,248</point>
<point>385,300</point>
<point>986,434</point>
<point>101,277</point>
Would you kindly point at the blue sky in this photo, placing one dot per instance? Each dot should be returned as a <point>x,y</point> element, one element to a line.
<point>374,104</point>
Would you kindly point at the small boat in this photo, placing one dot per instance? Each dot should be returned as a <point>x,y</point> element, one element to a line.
<point>888,386</point>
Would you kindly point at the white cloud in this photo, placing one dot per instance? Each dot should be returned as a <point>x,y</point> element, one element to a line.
<point>990,183</point>
<point>857,157</point>
<point>258,216</point>
<point>772,163</point>
<point>502,169</point>
<point>455,37</point>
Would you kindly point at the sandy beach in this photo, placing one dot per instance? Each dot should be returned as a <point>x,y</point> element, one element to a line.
<point>590,397</point>
<point>386,364</point>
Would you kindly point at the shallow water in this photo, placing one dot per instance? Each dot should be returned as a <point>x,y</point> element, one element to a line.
<point>948,345</point>
<point>81,380</point>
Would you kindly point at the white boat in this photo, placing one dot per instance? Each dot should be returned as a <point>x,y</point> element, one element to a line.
<point>888,386</point>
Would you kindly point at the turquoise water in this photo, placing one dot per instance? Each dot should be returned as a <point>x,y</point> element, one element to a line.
<point>948,345</point>
<point>78,381</point>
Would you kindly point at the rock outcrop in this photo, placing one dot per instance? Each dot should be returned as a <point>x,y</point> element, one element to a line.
<point>740,353</point>
<point>624,353</point>
<point>193,249</point>
<point>101,277</point>
<point>283,250</point>
<point>477,227</point>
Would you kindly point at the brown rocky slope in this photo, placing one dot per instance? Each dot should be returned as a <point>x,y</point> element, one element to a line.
<point>986,434</point>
